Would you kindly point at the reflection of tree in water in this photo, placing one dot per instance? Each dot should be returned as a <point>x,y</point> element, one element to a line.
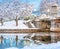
<point>16,40</point>
<point>2,39</point>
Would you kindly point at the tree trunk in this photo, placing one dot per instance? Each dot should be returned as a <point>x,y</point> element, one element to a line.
<point>16,20</point>
<point>1,21</point>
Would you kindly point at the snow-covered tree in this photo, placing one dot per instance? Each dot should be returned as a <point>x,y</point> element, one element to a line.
<point>12,9</point>
<point>46,4</point>
<point>26,10</point>
<point>15,10</point>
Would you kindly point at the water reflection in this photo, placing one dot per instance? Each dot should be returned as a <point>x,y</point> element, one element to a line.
<point>13,42</point>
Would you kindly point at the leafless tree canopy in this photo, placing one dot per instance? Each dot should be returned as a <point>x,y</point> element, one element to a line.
<point>45,4</point>
<point>9,10</point>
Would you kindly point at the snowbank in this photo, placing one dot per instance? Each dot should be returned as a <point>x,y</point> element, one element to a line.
<point>12,25</point>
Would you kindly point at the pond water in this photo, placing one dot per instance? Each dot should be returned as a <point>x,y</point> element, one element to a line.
<point>14,41</point>
<point>8,43</point>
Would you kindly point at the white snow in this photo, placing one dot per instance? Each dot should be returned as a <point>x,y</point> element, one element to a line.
<point>12,25</point>
<point>12,48</point>
<point>32,25</point>
<point>44,16</point>
<point>54,29</point>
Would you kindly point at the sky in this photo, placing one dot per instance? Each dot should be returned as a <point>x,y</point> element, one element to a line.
<point>36,3</point>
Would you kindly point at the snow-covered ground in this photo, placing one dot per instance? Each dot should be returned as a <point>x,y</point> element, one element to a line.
<point>12,48</point>
<point>55,29</point>
<point>12,25</point>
